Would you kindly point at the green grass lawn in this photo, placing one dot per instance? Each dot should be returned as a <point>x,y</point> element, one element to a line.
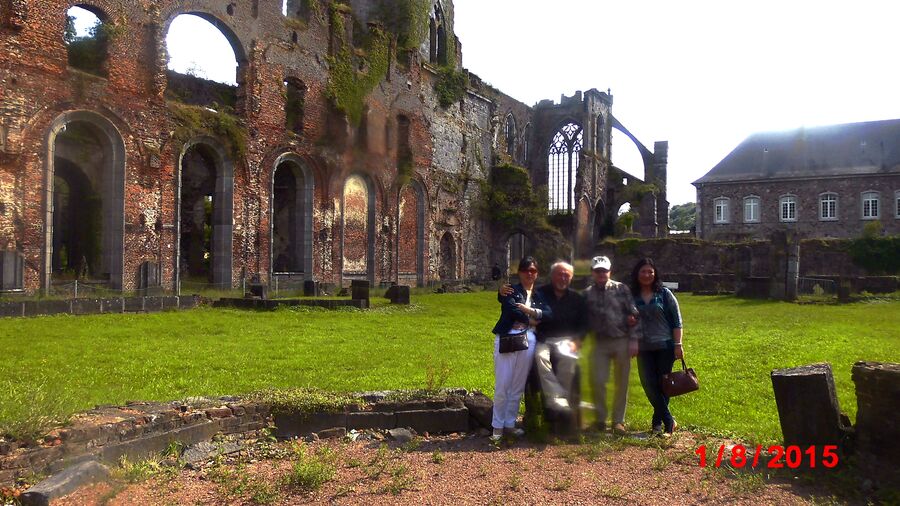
<point>55,366</point>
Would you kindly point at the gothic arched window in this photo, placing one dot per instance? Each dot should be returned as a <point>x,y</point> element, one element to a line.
<point>563,159</point>
<point>510,135</point>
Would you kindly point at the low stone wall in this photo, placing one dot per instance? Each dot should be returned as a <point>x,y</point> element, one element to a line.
<point>272,304</point>
<point>141,429</point>
<point>136,430</point>
<point>98,306</point>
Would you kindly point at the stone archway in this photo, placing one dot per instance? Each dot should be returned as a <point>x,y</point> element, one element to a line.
<point>86,155</point>
<point>411,234</point>
<point>205,224</point>
<point>293,190</point>
<point>358,230</point>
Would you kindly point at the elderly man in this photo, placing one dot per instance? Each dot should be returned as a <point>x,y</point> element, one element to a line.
<point>612,317</point>
<point>558,339</point>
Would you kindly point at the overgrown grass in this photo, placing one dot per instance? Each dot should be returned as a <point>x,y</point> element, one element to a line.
<point>55,366</point>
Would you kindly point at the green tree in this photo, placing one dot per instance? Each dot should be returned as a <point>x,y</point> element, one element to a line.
<point>683,216</point>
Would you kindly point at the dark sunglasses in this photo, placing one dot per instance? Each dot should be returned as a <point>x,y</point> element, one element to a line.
<point>530,271</point>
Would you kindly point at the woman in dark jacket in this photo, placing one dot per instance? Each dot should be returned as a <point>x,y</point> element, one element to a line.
<point>519,313</point>
<point>661,339</point>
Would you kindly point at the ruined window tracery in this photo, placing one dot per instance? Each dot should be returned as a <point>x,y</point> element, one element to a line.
<point>525,142</point>
<point>510,135</point>
<point>565,149</point>
<point>438,37</point>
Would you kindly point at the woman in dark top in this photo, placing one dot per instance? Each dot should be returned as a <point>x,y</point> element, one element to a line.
<point>660,343</point>
<point>520,311</point>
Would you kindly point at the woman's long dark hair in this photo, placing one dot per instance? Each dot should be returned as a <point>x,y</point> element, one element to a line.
<point>636,285</point>
<point>527,262</point>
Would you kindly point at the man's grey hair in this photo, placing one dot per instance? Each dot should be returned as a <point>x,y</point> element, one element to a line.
<point>562,265</point>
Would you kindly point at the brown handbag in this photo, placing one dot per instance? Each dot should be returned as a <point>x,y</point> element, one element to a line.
<point>680,382</point>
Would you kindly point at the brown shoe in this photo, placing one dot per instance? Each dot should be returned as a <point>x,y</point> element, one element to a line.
<point>619,429</point>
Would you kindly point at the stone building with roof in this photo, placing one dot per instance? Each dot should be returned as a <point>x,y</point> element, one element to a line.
<point>825,181</point>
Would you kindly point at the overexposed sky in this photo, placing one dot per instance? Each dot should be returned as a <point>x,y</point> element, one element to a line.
<point>700,74</point>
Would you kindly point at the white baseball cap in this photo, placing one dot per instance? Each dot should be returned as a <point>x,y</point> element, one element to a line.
<point>600,262</point>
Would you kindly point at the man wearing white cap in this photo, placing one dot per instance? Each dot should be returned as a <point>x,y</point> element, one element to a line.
<point>612,317</point>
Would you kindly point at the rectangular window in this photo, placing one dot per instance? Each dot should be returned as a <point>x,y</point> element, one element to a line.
<point>870,206</point>
<point>789,209</point>
<point>897,204</point>
<point>751,210</point>
<point>828,207</point>
<point>721,210</point>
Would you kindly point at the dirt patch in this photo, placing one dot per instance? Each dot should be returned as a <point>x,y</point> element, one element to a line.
<point>453,469</point>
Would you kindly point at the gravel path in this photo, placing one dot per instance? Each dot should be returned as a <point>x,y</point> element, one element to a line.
<point>453,469</point>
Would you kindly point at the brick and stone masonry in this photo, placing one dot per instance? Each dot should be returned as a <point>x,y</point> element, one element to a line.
<point>108,173</point>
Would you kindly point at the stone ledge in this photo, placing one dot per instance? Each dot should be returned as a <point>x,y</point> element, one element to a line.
<point>140,429</point>
<point>97,306</point>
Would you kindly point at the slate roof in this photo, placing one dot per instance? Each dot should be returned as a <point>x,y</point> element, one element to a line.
<point>850,149</point>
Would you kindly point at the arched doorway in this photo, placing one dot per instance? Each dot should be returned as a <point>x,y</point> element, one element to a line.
<point>448,258</point>
<point>358,239</point>
<point>205,221</point>
<point>411,235</point>
<point>84,202</point>
<point>293,188</point>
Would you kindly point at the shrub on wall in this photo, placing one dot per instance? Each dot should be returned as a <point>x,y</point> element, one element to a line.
<point>877,255</point>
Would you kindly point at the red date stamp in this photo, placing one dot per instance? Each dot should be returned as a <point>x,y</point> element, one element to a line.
<point>773,457</point>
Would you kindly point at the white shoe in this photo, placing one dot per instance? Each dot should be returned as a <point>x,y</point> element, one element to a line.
<point>497,435</point>
<point>561,403</point>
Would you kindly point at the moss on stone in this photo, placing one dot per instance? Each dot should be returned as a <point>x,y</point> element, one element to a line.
<point>354,76</point>
<point>510,202</point>
<point>451,85</point>
<point>192,121</point>
<point>408,19</point>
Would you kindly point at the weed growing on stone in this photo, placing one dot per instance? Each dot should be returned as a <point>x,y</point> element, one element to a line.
<point>136,472</point>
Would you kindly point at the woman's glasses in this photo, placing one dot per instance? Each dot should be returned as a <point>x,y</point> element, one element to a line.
<point>530,271</point>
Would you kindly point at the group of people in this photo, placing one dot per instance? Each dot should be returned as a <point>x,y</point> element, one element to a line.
<point>544,327</point>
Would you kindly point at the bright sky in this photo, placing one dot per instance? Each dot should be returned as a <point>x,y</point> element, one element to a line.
<point>701,74</point>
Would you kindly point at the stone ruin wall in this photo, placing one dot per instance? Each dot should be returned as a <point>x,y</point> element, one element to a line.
<point>451,148</point>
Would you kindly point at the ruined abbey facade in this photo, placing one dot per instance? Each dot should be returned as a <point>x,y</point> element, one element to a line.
<point>354,146</point>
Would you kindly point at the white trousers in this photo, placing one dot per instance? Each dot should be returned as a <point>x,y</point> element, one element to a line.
<point>510,374</point>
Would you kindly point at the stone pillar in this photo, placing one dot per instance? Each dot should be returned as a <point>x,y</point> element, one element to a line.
<point>808,406</point>
<point>877,421</point>
<point>778,258</point>
<point>843,290</point>
<point>660,169</point>
<point>792,278</point>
